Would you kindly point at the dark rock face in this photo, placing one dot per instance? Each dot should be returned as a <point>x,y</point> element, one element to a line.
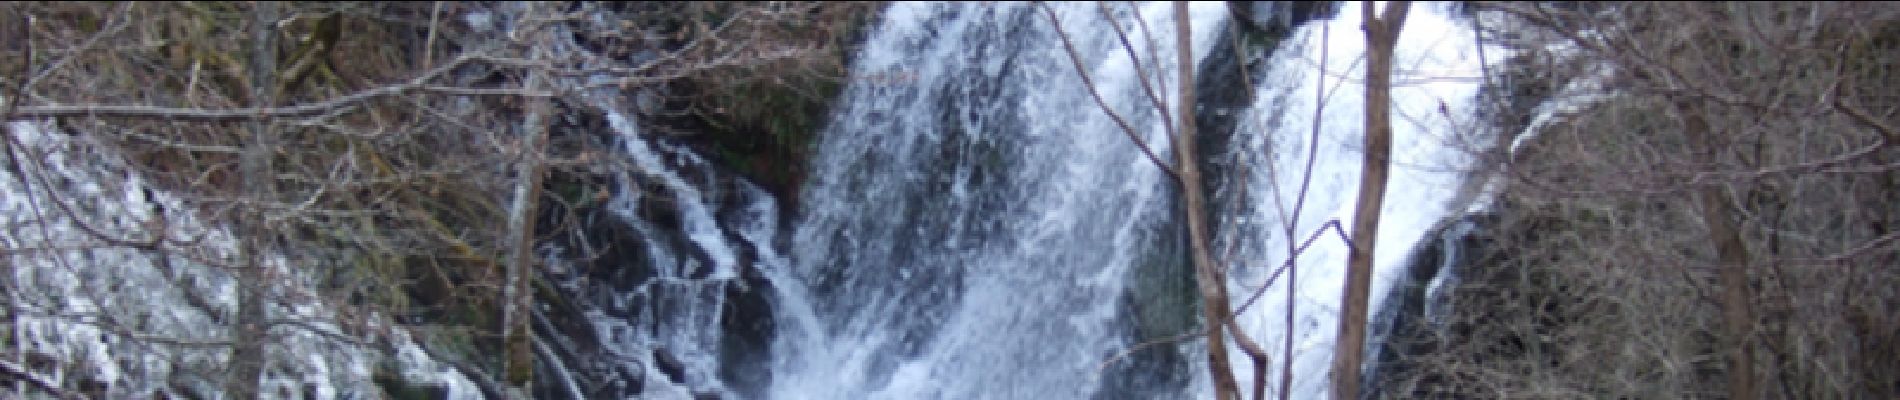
<point>1485,272</point>
<point>1507,310</point>
<point>396,388</point>
<point>1406,325</point>
<point>1224,82</point>
<point>624,267</point>
<point>1221,94</point>
<point>617,280</point>
<point>612,260</point>
<point>745,349</point>
<point>1280,17</point>
<point>1162,302</point>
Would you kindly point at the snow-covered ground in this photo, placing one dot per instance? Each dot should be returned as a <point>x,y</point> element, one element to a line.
<point>121,321</point>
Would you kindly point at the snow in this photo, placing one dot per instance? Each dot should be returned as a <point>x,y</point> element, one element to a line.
<point>119,317</point>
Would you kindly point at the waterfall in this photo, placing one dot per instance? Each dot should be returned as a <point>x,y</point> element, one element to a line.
<point>1438,65</point>
<point>975,226</point>
<point>683,275</point>
<point>971,230</point>
<point>1438,303</point>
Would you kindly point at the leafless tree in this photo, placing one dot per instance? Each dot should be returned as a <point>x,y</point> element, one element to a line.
<point>1727,200</point>
<point>1209,270</point>
<point>368,160</point>
<point>1382,34</point>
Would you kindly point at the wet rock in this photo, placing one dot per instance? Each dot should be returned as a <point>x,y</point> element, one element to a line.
<point>747,328</point>
<point>669,366</point>
<point>1281,17</point>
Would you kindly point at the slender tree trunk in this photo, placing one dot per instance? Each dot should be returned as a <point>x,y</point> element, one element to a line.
<point>518,371</point>
<point>247,352</point>
<point>1738,316</point>
<point>1209,277</point>
<point>1382,34</point>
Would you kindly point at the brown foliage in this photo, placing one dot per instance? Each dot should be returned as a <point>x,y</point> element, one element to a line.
<point>1602,282</point>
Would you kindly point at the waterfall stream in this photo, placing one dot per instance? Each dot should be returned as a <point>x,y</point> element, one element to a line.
<point>1438,64</point>
<point>970,233</point>
<point>977,227</point>
<point>974,226</point>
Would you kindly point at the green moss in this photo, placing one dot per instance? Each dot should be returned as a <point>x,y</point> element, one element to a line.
<point>763,119</point>
<point>1255,40</point>
<point>1164,299</point>
<point>765,129</point>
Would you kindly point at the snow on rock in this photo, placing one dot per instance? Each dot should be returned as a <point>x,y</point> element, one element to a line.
<point>97,315</point>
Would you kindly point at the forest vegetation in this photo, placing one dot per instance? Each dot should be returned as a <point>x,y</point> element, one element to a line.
<point>1706,205</point>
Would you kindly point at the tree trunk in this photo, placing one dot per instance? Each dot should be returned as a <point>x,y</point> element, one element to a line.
<point>249,328</point>
<point>1738,317</point>
<point>1208,276</point>
<point>518,361</point>
<point>1382,34</point>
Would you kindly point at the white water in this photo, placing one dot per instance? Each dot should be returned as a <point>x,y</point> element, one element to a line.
<point>666,328</point>
<point>1438,64</point>
<point>971,230</point>
<point>969,233</point>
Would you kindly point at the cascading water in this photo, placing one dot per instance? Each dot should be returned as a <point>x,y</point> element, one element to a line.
<point>1438,62</point>
<point>970,231</point>
<point>676,315</point>
<point>976,226</point>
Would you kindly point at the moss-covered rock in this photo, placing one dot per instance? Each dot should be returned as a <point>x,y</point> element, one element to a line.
<point>761,118</point>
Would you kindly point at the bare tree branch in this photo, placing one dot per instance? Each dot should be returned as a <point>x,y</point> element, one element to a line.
<point>419,83</point>
<point>1076,60</point>
<point>19,373</point>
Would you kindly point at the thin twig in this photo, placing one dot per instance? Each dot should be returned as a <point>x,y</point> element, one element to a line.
<point>1118,356</point>
<point>420,82</point>
<point>428,45</point>
<point>1146,87</point>
<point>118,23</point>
<point>1321,93</point>
<point>19,372</point>
<point>1153,49</point>
<point>1334,224</point>
<point>1076,60</point>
